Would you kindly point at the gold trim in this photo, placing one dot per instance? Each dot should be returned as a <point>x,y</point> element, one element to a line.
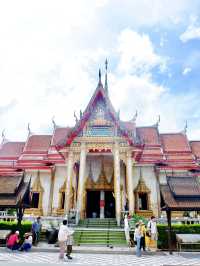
<point>142,189</point>
<point>37,188</point>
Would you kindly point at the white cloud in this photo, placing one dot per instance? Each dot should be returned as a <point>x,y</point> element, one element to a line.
<point>152,13</point>
<point>50,53</point>
<point>191,33</point>
<point>193,30</point>
<point>186,70</point>
<point>136,53</point>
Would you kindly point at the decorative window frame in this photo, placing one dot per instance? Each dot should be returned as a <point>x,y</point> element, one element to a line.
<point>37,188</point>
<point>142,189</point>
<point>60,210</point>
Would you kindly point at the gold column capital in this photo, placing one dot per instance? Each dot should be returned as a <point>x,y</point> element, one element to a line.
<point>128,154</point>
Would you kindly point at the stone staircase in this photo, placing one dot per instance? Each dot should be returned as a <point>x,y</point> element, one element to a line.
<point>98,223</point>
<point>99,232</point>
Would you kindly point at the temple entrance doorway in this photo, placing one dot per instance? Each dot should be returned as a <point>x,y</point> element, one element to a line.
<point>93,204</point>
<point>109,205</point>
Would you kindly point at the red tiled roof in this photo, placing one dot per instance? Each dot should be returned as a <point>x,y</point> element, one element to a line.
<point>38,143</point>
<point>11,149</point>
<point>195,146</point>
<point>60,135</point>
<point>148,135</point>
<point>175,142</point>
<point>184,186</point>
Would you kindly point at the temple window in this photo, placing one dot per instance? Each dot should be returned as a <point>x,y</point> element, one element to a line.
<point>142,196</point>
<point>35,200</point>
<point>62,204</point>
<point>37,197</point>
<point>143,201</point>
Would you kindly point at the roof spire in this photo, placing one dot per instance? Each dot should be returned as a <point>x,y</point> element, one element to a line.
<point>99,76</point>
<point>185,128</point>
<point>106,76</point>
<point>29,130</point>
<point>135,116</point>
<point>4,140</point>
<point>54,123</point>
<point>158,121</point>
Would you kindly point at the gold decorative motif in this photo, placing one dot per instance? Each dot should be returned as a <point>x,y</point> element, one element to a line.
<point>142,189</point>
<point>37,188</point>
<point>144,213</point>
<point>101,184</point>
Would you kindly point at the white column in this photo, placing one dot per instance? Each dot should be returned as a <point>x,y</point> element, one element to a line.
<point>81,181</point>
<point>102,204</point>
<point>52,180</point>
<point>117,184</point>
<point>68,182</point>
<point>129,182</point>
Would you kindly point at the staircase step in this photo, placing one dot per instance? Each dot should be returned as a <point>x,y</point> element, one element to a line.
<point>102,236</point>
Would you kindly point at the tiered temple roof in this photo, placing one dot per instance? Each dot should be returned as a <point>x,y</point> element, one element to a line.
<point>40,151</point>
<point>166,151</point>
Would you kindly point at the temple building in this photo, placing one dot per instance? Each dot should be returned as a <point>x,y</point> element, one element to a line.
<point>100,167</point>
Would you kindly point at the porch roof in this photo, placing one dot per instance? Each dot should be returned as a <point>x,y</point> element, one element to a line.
<point>181,193</point>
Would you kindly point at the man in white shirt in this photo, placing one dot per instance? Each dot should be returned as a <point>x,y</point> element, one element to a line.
<point>63,236</point>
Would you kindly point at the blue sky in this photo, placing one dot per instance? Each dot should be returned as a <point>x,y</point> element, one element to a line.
<point>50,52</point>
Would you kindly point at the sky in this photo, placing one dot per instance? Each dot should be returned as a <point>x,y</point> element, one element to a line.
<point>51,50</point>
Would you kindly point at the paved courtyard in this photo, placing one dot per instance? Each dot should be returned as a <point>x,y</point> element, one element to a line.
<point>44,258</point>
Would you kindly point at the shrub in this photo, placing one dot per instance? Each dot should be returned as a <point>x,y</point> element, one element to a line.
<point>176,229</point>
<point>25,226</point>
<point>135,219</point>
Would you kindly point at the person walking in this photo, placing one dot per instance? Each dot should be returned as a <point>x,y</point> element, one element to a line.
<point>127,229</point>
<point>63,236</point>
<point>153,232</point>
<point>137,239</point>
<point>143,234</point>
<point>36,228</point>
<point>69,244</point>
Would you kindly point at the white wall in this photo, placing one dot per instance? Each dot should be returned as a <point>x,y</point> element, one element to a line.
<point>149,177</point>
<point>45,179</point>
<point>60,177</point>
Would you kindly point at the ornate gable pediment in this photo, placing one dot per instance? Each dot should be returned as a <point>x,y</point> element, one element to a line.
<point>142,187</point>
<point>98,119</point>
<point>101,184</point>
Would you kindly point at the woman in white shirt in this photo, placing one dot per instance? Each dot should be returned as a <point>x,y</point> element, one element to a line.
<point>137,239</point>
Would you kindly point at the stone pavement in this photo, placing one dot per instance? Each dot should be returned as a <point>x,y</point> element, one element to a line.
<point>46,258</point>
